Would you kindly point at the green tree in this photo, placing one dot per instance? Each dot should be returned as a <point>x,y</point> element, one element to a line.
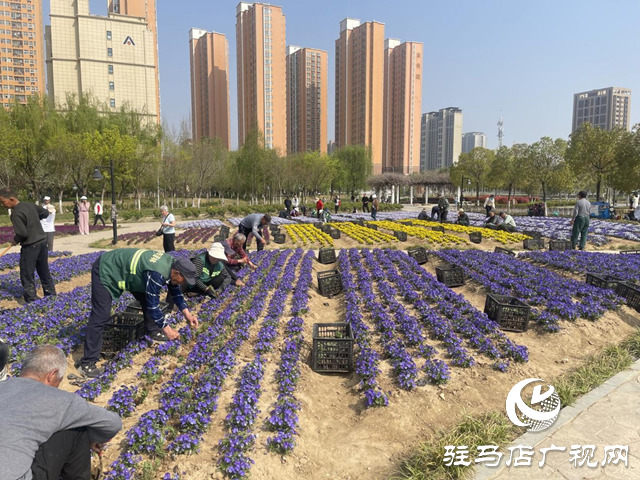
<point>506,171</point>
<point>474,165</point>
<point>251,165</point>
<point>354,166</point>
<point>592,153</point>
<point>545,167</point>
<point>626,174</point>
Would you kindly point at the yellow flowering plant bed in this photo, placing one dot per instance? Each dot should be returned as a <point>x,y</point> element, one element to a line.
<point>429,235</point>
<point>306,233</point>
<point>497,235</point>
<point>364,234</point>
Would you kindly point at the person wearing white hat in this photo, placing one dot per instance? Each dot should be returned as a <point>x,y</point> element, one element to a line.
<point>212,276</point>
<point>48,224</point>
<point>83,208</point>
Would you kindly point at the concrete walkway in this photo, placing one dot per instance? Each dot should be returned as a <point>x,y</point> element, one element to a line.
<point>606,416</point>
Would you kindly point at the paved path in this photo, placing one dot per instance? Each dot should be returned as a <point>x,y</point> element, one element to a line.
<point>608,415</point>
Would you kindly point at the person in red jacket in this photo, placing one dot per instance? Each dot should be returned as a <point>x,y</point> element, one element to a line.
<point>320,209</point>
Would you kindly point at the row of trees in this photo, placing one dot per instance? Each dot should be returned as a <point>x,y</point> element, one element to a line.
<point>45,150</point>
<point>592,159</point>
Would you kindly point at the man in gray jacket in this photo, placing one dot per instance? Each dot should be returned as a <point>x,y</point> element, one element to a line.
<point>48,433</point>
<point>253,224</point>
<point>580,221</point>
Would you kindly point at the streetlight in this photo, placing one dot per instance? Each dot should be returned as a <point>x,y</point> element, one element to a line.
<point>114,214</point>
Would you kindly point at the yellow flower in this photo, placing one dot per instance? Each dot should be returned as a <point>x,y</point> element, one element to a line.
<point>364,234</point>
<point>307,233</point>
<point>497,235</point>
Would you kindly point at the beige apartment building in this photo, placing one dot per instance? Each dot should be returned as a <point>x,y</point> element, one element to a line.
<point>359,87</point>
<point>402,106</point>
<point>21,51</point>
<point>112,58</point>
<point>209,85</point>
<point>261,70</point>
<point>306,99</point>
<point>607,108</point>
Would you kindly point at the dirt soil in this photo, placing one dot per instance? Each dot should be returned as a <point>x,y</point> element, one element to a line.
<point>338,437</point>
<point>61,287</point>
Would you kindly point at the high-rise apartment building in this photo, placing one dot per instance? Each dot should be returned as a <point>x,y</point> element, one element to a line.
<point>21,51</point>
<point>607,108</point>
<point>209,60</point>
<point>441,139</point>
<point>112,58</point>
<point>359,84</point>
<point>261,63</point>
<point>402,107</point>
<point>306,99</point>
<point>473,140</point>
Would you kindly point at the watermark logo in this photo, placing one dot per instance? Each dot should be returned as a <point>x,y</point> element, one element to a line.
<point>544,410</point>
<point>129,41</point>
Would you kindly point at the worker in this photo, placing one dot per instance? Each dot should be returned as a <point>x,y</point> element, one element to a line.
<point>463,218</point>
<point>251,224</point>
<point>143,273</point>
<point>508,223</point>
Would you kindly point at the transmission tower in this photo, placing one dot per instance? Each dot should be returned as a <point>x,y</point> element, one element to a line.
<point>500,132</point>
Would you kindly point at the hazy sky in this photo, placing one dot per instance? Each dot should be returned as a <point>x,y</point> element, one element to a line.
<point>519,59</point>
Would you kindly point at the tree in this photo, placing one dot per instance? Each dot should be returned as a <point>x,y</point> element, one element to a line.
<point>353,167</point>
<point>474,165</point>
<point>626,174</point>
<point>506,169</point>
<point>209,158</point>
<point>545,166</point>
<point>592,153</point>
<point>251,164</point>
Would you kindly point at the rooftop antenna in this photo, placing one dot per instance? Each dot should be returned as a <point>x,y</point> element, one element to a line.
<point>500,132</point>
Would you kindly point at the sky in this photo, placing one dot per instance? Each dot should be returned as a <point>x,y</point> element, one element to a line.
<point>518,59</point>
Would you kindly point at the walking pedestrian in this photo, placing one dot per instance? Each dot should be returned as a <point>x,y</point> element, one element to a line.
<point>98,211</point>
<point>337,203</point>
<point>168,230</point>
<point>76,213</point>
<point>365,203</point>
<point>34,254</point>
<point>83,208</point>
<point>580,221</point>
<point>443,205</point>
<point>48,224</point>
<point>375,204</point>
<point>490,204</point>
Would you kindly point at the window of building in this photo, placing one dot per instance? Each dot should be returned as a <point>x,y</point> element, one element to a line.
<point>109,52</point>
<point>110,69</point>
<point>112,86</point>
<point>108,34</point>
<point>112,102</point>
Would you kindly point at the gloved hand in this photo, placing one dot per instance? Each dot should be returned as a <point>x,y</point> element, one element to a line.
<point>210,292</point>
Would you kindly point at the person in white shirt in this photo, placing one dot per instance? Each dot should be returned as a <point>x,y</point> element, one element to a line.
<point>168,229</point>
<point>295,202</point>
<point>490,204</point>
<point>634,201</point>
<point>48,223</point>
<point>508,223</point>
<point>98,211</point>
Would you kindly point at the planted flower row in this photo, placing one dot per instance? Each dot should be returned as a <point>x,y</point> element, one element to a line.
<point>12,260</point>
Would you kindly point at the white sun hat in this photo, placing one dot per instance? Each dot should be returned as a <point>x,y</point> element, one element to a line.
<point>83,197</point>
<point>217,251</point>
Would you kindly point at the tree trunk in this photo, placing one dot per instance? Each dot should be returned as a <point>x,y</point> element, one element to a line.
<point>477,194</point>
<point>544,197</point>
<point>60,193</point>
<point>104,188</point>
<point>509,198</point>
<point>598,184</point>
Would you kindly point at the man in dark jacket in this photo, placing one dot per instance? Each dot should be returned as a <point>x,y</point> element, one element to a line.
<point>423,215</point>
<point>287,204</point>
<point>443,206</point>
<point>463,218</point>
<point>34,254</point>
<point>143,273</point>
<point>365,203</point>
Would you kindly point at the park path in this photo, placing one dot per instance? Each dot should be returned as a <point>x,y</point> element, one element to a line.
<point>606,416</point>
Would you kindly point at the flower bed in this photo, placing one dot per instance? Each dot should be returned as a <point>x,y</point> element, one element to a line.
<point>208,223</point>
<point>497,235</point>
<point>429,235</point>
<point>12,260</point>
<point>307,234</point>
<point>556,298</point>
<point>364,234</point>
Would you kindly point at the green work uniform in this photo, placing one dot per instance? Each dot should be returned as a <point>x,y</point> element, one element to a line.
<point>209,272</point>
<point>121,269</point>
<point>580,231</point>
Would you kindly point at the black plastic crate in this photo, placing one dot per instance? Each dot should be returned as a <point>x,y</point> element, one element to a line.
<point>419,254</point>
<point>326,228</point>
<point>329,283</point>
<point>450,275</point>
<point>123,328</point>
<point>559,245</point>
<point>332,348</point>
<point>224,231</point>
<point>279,238</point>
<point>318,225</point>
<point>630,252</point>
<point>274,229</point>
<point>335,234</point>
<point>327,255</point>
<point>533,244</point>
<point>631,293</point>
<point>508,312</point>
<point>402,236</point>
<point>372,226</point>
<point>506,251</point>
<point>533,234</point>
<point>134,307</point>
<point>358,221</point>
<point>603,281</point>
<point>219,238</point>
<point>475,237</point>
<point>438,229</point>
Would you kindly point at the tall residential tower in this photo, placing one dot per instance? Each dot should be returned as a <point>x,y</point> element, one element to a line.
<point>112,58</point>
<point>441,139</point>
<point>261,70</point>
<point>21,52</point>
<point>472,140</point>
<point>360,87</point>
<point>209,61</point>
<point>306,99</point>
<point>607,108</point>
<point>402,107</point>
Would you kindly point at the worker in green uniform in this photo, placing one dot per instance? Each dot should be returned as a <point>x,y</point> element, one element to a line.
<point>212,275</point>
<point>143,273</point>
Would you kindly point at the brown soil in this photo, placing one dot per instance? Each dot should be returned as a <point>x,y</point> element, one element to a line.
<point>338,437</point>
